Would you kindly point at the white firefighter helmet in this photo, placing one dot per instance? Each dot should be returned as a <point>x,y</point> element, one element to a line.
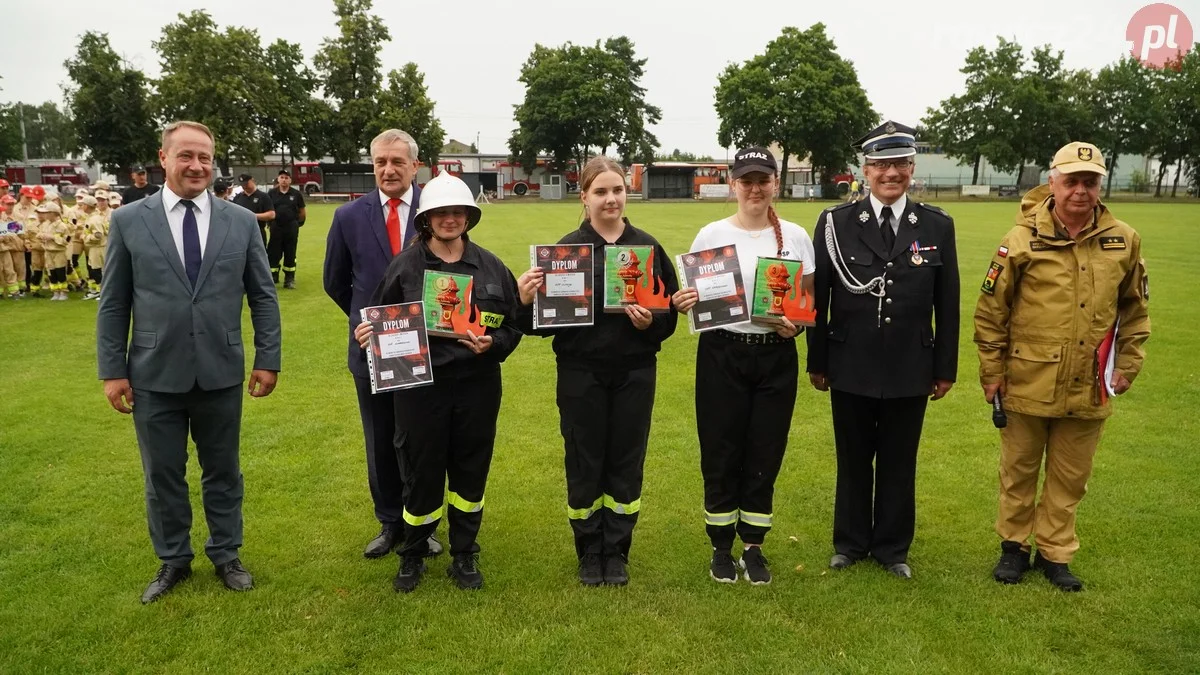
<point>446,190</point>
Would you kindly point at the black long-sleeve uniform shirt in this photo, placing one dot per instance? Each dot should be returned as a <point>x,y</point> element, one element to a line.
<point>494,291</point>
<point>612,342</point>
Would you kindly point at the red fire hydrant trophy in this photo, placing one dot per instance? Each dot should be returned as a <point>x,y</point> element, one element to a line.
<point>778,284</point>
<point>448,298</point>
<point>630,274</point>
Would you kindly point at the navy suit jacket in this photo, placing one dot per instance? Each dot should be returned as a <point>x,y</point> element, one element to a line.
<point>357,254</point>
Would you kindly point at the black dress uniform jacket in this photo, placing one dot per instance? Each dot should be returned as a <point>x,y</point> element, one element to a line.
<point>612,342</point>
<point>888,350</point>
<point>494,291</point>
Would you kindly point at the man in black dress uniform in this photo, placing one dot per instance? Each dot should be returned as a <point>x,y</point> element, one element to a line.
<point>290,214</point>
<point>257,202</point>
<point>887,270</point>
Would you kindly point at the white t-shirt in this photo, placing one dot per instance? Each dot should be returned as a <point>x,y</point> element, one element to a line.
<point>751,246</point>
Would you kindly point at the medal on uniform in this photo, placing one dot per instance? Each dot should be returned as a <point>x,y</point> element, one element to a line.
<point>912,218</point>
<point>916,257</point>
<point>863,217</point>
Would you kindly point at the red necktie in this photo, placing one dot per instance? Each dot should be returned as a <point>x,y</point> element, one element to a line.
<point>393,225</point>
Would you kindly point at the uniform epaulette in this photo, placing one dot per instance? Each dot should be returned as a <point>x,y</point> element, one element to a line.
<point>935,209</point>
<point>843,205</point>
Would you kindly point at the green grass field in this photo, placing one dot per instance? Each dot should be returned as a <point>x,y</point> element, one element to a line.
<point>75,555</point>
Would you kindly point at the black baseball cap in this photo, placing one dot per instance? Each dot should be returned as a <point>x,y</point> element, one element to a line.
<point>137,168</point>
<point>284,172</point>
<point>221,185</point>
<point>749,160</point>
<point>245,177</point>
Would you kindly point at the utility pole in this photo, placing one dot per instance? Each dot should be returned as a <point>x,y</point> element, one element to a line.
<point>24,145</point>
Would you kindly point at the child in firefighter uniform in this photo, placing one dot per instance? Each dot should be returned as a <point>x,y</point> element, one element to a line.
<point>445,432</point>
<point>606,382</point>
<point>1066,288</point>
<point>95,241</point>
<point>75,216</point>
<point>746,379</point>
<point>54,236</point>
<point>24,212</point>
<point>12,250</point>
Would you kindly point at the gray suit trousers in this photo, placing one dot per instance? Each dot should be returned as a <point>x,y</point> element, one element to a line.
<point>162,422</point>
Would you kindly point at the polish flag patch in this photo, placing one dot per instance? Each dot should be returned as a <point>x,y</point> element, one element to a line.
<point>1002,252</point>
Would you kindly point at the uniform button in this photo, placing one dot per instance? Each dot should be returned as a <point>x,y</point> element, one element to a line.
<point>191,335</point>
<point>1081,342</point>
<point>889,301</point>
<point>1077,379</point>
<point>887,319</point>
<point>195,302</point>
<point>889,265</point>
<point>1083,268</point>
<point>889,282</point>
<point>1070,413</point>
<point>1081,305</point>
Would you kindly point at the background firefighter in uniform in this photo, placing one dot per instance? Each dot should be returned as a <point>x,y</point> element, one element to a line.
<point>54,236</point>
<point>447,430</point>
<point>12,248</point>
<point>290,214</point>
<point>887,271</point>
<point>1063,277</point>
<point>606,382</point>
<point>746,378</point>
<point>24,213</point>
<point>256,202</point>
<point>95,239</point>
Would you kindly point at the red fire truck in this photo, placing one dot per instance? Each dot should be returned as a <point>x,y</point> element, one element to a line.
<point>56,174</point>
<point>515,180</point>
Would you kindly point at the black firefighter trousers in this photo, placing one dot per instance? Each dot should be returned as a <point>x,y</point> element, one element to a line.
<point>605,423</point>
<point>745,395</point>
<point>445,432</point>
<point>282,246</point>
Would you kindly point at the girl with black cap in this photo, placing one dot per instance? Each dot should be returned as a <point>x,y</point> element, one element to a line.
<point>746,378</point>
<point>445,431</point>
<point>606,378</point>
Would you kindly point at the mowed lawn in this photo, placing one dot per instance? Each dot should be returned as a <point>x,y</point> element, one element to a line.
<point>75,555</point>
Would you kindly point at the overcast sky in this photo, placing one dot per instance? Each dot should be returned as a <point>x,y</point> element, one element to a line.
<point>907,54</point>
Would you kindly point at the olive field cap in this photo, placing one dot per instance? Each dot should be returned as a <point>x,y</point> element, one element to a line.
<point>1079,156</point>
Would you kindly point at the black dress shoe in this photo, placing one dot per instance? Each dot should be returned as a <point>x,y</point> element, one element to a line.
<point>901,570</point>
<point>383,543</point>
<point>841,561</point>
<point>235,576</point>
<point>166,579</point>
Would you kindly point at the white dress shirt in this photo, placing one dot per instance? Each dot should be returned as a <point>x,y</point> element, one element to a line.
<point>405,206</point>
<point>175,218</point>
<point>897,210</point>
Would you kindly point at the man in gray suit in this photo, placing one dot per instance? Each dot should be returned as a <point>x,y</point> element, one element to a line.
<point>178,264</point>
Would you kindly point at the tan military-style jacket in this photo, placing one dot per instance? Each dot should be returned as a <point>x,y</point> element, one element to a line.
<point>95,231</point>
<point>10,241</point>
<point>27,216</point>
<point>1047,302</point>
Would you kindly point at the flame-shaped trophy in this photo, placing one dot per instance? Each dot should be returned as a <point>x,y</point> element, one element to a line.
<point>778,284</point>
<point>448,298</point>
<point>630,274</point>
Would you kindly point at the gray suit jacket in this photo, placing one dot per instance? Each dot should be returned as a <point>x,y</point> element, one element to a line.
<point>183,337</point>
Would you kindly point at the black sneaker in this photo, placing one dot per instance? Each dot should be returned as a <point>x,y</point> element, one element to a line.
<point>722,568</point>
<point>1058,574</point>
<point>615,573</point>
<point>590,571</point>
<point>1013,565</point>
<point>411,569</point>
<point>464,569</point>
<point>754,564</point>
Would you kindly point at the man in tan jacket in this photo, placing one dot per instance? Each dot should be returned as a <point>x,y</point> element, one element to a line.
<point>1062,282</point>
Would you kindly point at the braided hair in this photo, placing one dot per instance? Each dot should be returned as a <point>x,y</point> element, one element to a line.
<point>774,218</point>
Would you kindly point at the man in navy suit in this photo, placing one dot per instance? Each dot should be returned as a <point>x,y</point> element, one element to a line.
<point>366,234</point>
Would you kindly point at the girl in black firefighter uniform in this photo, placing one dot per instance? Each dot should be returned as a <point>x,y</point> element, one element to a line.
<point>446,431</point>
<point>606,378</point>
<point>746,379</point>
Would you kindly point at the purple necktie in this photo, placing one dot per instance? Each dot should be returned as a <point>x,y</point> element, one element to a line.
<point>191,242</point>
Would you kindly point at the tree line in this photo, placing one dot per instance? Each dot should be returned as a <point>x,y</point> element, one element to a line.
<point>798,94</point>
<point>1017,109</point>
